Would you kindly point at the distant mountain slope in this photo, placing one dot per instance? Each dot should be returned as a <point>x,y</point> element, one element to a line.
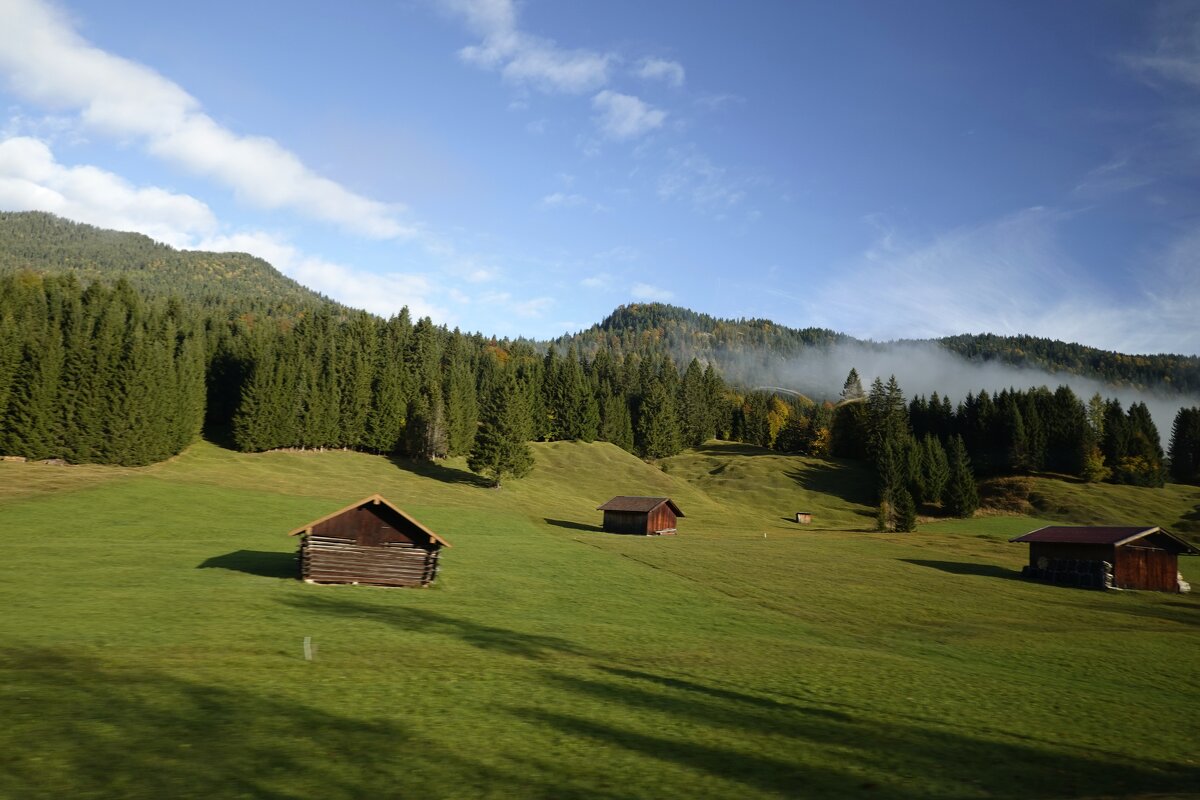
<point>746,348</point>
<point>48,244</point>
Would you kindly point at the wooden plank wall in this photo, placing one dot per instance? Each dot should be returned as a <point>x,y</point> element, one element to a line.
<point>1146,568</point>
<point>327,559</point>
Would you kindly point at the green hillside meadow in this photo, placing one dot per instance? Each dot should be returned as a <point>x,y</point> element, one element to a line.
<point>151,644</point>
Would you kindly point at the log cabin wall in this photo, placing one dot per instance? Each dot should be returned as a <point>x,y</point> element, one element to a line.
<point>333,559</point>
<point>1150,568</point>
<point>1059,550</point>
<point>371,525</point>
<point>625,522</point>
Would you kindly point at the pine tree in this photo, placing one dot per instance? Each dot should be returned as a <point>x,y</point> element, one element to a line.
<point>962,494</point>
<point>935,469</point>
<point>658,426</point>
<point>1184,450</point>
<point>616,424</point>
<point>462,407</point>
<point>500,450</point>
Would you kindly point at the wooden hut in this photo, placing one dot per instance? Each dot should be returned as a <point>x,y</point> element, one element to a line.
<point>1106,557</point>
<point>371,541</point>
<point>645,516</point>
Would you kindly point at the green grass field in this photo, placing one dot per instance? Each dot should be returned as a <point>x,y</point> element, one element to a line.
<point>152,630</point>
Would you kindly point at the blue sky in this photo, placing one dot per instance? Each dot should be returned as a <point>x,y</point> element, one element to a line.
<point>888,170</point>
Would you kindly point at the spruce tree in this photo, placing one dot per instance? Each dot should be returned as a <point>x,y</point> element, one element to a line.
<point>616,424</point>
<point>500,450</point>
<point>962,494</point>
<point>658,425</point>
<point>1184,450</point>
<point>935,469</point>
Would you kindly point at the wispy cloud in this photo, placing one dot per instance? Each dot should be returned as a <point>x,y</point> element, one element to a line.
<point>658,69</point>
<point>691,175</point>
<point>644,291</point>
<point>1010,276</point>
<point>600,281</point>
<point>32,179</point>
<point>623,116</point>
<point>1175,54</point>
<point>525,59</point>
<point>47,62</point>
<point>563,200</point>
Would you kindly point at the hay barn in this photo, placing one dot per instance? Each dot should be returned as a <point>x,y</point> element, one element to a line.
<point>644,516</point>
<point>1106,557</point>
<point>372,542</point>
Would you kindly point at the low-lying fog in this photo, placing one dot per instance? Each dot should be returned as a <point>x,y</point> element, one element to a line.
<point>924,368</point>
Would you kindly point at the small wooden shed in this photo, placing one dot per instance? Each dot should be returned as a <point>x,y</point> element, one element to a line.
<point>644,516</point>
<point>372,542</point>
<point>1106,557</point>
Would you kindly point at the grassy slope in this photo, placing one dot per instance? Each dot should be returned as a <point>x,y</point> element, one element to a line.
<point>152,645</point>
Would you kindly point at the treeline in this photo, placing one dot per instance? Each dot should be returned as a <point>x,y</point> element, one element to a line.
<point>96,375</point>
<point>394,386</point>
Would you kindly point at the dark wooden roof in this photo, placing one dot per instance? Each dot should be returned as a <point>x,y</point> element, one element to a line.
<point>1115,535</point>
<point>642,504</point>
<point>374,499</point>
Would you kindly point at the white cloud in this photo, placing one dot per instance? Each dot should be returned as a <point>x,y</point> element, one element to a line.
<point>1176,53</point>
<point>644,291</point>
<point>623,116</point>
<point>1008,277</point>
<point>31,179</point>
<point>562,200</point>
<point>600,281</point>
<point>533,308</point>
<point>658,69</point>
<point>48,63</point>
<point>523,59</point>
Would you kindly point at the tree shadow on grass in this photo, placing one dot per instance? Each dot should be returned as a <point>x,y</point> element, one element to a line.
<point>848,483</point>
<point>1169,611</point>
<point>77,726</point>
<point>575,526</point>
<point>732,449</point>
<point>967,568</point>
<point>256,562</point>
<point>788,749</point>
<point>419,620</point>
<point>439,472</point>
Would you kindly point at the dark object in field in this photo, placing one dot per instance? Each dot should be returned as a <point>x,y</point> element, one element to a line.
<point>803,517</point>
<point>371,541</point>
<point>1106,558</point>
<point>644,516</point>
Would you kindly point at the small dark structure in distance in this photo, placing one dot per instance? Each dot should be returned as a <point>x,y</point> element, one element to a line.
<point>371,542</point>
<point>803,517</point>
<point>643,516</point>
<point>1106,557</point>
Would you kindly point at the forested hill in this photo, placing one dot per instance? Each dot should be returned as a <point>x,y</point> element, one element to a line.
<point>43,243</point>
<point>745,348</point>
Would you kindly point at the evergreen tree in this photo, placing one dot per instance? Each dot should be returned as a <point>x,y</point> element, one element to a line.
<point>500,450</point>
<point>1184,450</point>
<point>935,469</point>
<point>962,494</point>
<point>462,407</point>
<point>658,426</point>
<point>616,424</point>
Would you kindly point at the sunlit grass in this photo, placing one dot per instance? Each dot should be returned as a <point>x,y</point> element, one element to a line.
<point>151,644</point>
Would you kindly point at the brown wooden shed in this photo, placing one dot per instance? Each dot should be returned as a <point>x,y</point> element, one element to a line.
<point>645,516</point>
<point>1106,557</point>
<point>371,541</point>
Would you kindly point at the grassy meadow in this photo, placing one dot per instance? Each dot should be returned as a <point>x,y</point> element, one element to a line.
<point>152,630</point>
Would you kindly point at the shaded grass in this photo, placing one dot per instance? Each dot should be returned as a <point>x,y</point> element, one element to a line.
<point>551,660</point>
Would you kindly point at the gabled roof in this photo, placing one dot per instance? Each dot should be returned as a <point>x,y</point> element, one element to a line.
<point>375,499</point>
<point>642,504</point>
<point>1116,536</point>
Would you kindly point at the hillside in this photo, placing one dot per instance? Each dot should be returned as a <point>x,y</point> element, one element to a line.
<point>751,350</point>
<point>158,652</point>
<point>43,243</point>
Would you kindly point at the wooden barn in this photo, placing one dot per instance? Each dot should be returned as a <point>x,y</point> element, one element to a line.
<point>645,516</point>
<point>1106,557</point>
<point>372,542</point>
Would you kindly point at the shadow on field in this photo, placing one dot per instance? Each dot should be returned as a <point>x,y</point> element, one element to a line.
<point>798,750</point>
<point>419,620</point>
<point>75,726</point>
<point>255,562</point>
<point>851,485</point>
<point>575,526</point>
<point>429,469</point>
<point>732,449</point>
<point>967,568</point>
<point>1170,611</point>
